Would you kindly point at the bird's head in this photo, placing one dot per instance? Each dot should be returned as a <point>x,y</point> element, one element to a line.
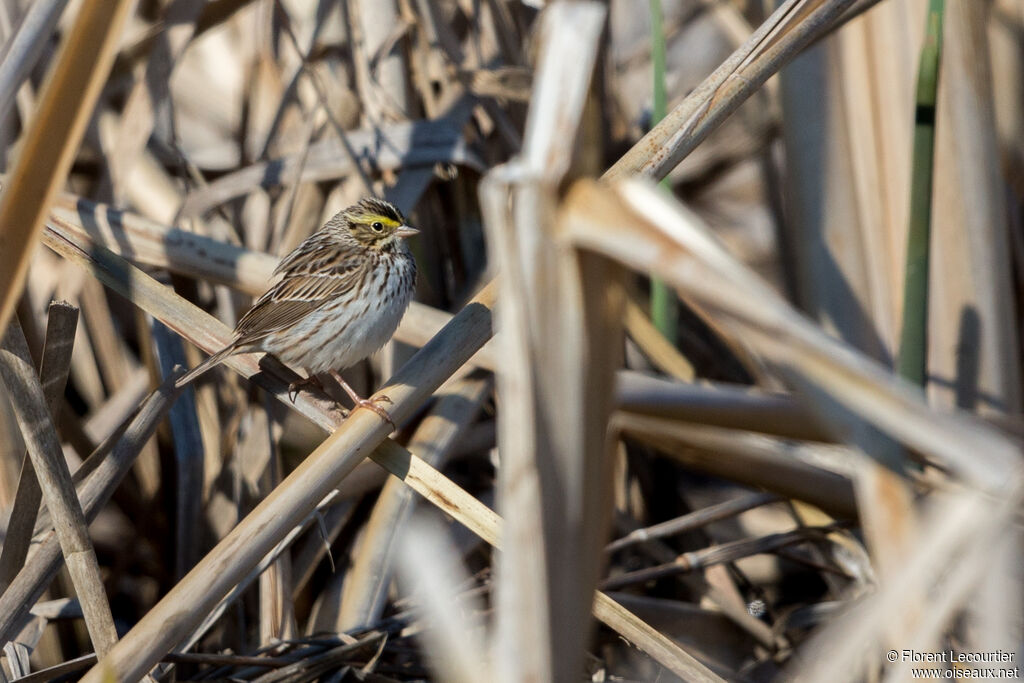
<point>377,224</point>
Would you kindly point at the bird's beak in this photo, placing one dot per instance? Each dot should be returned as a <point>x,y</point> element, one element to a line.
<point>406,231</point>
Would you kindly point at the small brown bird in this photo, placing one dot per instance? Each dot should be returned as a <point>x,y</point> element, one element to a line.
<point>342,293</point>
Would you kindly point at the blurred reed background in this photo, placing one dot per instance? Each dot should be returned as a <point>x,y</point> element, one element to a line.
<point>726,456</point>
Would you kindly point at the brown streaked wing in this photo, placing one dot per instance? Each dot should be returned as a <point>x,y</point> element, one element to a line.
<point>329,248</point>
<point>298,258</point>
<point>296,296</point>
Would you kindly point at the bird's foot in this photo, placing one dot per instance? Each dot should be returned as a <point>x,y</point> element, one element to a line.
<point>366,403</point>
<point>298,385</point>
<point>371,403</point>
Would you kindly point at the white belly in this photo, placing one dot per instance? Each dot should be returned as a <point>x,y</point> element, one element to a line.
<point>344,332</point>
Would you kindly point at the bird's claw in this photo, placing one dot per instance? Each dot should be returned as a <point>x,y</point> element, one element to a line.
<point>298,385</point>
<point>372,405</point>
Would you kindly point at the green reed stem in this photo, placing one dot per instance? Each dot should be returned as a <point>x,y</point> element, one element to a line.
<point>913,351</point>
<point>664,310</point>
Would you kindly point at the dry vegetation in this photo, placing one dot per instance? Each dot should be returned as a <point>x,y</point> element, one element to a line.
<point>755,497</point>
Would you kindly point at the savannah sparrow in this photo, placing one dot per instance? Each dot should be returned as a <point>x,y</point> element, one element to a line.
<point>342,294</point>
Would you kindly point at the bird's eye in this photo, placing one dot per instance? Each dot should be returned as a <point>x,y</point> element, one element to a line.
<point>377,225</point>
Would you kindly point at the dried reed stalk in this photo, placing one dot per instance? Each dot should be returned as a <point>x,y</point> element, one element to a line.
<point>693,520</point>
<point>277,612</point>
<point>955,530</point>
<point>52,139</point>
<point>409,144</point>
<point>22,50</point>
<point>973,356</point>
<point>365,590</point>
<point>554,480</point>
<point>847,177</point>
<point>57,488</point>
<point>685,254</point>
<point>100,476</point>
<point>382,75</point>
<point>655,346</point>
<point>784,34</point>
<point>430,566</point>
<point>718,405</point>
<point>152,87</point>
<point>53,375</point>
<point>726,552</point>
<point>890,523</point>
<point>109,349</point>
<point>746,459</point>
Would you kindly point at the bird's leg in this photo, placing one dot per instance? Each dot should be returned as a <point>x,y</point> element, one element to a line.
<point>365,403</point>
<point>298,385</point>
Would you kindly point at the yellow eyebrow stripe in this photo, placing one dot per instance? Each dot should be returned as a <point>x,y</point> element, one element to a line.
<point>373,217</point>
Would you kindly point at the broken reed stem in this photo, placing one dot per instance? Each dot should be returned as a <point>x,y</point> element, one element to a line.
<point>555,479</point>
<point>61,325</point>
<point>57,487</point>
<point>62,321</point>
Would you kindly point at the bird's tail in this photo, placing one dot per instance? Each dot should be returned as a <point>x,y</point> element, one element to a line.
<point>206,365</point>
